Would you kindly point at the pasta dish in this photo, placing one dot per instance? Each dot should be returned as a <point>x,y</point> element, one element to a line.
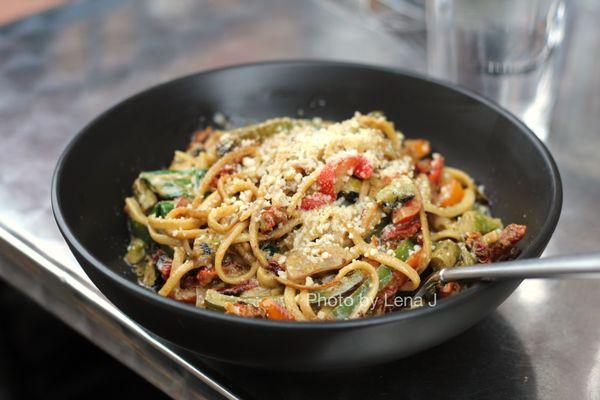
<point>298,219</point>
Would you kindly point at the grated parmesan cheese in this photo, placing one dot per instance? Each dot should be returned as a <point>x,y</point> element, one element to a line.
<point>284,161</point>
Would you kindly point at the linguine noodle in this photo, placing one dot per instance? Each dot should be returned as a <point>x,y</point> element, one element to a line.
<point>307,220</point>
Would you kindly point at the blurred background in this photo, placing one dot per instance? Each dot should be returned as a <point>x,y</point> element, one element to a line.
<point>62,62</point>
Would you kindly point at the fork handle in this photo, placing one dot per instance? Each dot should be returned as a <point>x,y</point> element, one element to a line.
<point>573,266</point>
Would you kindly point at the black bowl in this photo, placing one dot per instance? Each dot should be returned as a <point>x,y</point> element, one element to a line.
<point>95,173</point>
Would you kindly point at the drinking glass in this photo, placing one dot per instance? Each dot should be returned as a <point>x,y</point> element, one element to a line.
<point>510,51</point>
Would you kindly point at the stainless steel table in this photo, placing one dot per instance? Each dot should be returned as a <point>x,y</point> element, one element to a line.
<point>61,68</point>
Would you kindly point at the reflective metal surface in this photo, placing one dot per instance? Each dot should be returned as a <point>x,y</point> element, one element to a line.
<point>60,69</point>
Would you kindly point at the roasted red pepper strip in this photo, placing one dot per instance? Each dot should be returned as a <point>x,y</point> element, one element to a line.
<point>363,169</point>
<point>274,310</point>
<point>406,212</point>
<point>432,168</point>
<point>205,275</point>
<point>437,165</point>
<point>398,280</point>
<point>315,200</point>
<point>359,165</point>
<point>417,148</point>
<point>451,193</point>
<point>401,231</point>
<point>415,259</point>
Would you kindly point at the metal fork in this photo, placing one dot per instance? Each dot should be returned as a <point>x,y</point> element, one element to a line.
<point>573,266</point>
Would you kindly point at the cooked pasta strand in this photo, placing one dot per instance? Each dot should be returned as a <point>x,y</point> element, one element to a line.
<point>285,210</point>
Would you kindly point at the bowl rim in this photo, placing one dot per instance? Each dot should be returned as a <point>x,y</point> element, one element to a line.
<point>533,250</point>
